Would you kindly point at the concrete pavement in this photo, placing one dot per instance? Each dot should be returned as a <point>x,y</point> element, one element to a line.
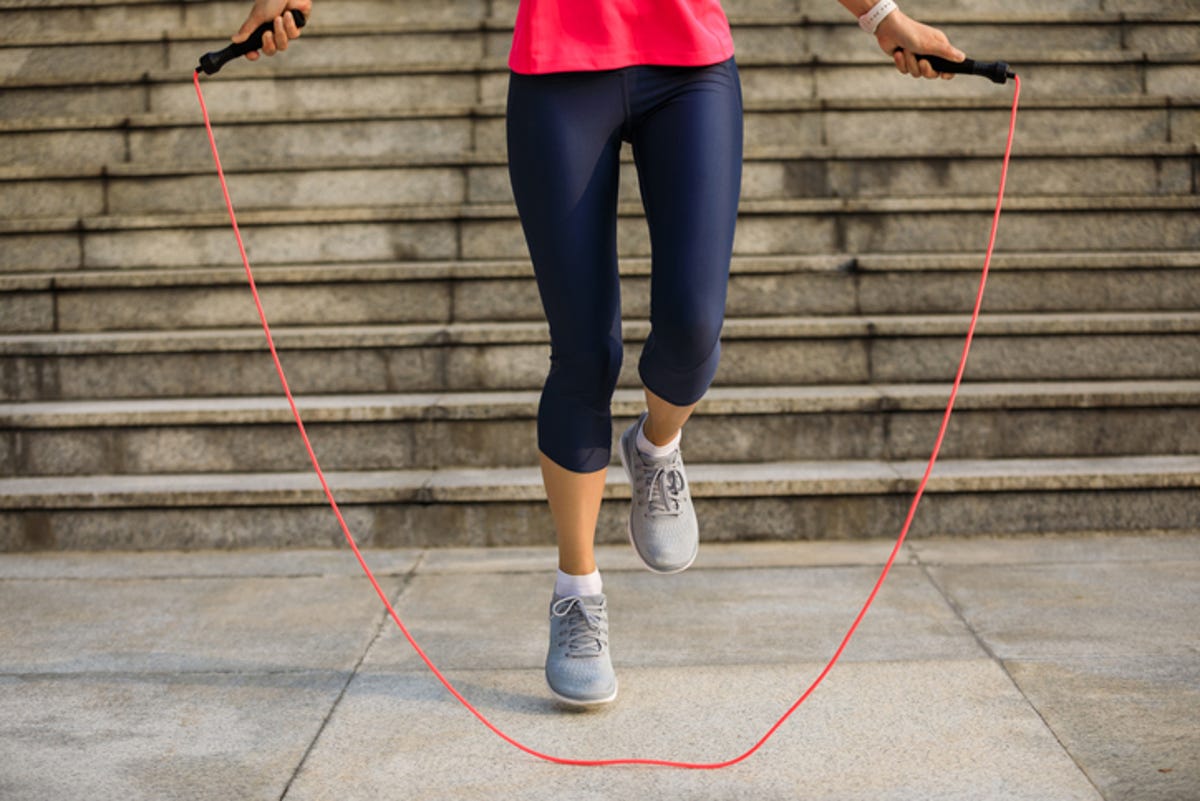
<point>1042,669</point>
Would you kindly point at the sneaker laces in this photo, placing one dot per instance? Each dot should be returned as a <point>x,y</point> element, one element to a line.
<point>666,489</point>
<point>586,629</point>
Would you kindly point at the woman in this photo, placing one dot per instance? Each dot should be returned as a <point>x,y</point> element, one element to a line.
<point>586,76</point>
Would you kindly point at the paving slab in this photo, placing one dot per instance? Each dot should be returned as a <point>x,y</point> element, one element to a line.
<point>876,731</point>
<point>1148,547</point>
<point>130,737</point>
<point>611,558</point>
<point>1131,723</point>
<point>204,564</point>
<point>1099,634</point>
<point>1059,668</point>
<point>1079,610</point>
<point>226,624</point>
<point>701,617</point>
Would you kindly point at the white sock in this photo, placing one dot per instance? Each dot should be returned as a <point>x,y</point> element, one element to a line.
<point>652,451</point>
<point>566,584</point>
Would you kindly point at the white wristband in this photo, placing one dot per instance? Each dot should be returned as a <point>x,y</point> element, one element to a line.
<point>869,22</point>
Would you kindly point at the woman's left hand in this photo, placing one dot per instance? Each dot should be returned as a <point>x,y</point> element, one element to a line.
<point>901,37</point>
<point>285,27</point>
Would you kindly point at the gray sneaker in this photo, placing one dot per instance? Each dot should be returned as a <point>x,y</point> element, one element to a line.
<point>662,522</point>
<point>578,665</point>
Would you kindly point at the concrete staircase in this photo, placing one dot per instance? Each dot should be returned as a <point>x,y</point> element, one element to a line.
<point>138,408</point>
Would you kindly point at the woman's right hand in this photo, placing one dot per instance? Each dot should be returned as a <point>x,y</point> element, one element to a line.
<point>902,37</point>
<point>275,41</point>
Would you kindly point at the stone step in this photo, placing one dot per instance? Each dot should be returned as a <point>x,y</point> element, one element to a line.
<point>922,9</point>
<point>23,20</point>
<point>69,54</point>
<point>782,500</point>
<point>492,231</point>
<point>248,139</point>
<point>513,356</point>
<point>504,291</point>
<point>490,430</point>
<point>165,20</point>
<point>413,270</point>
<point>307,89</point>
<point>768,173</point>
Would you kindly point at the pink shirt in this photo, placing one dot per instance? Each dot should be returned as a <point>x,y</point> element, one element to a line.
<point>574,35</point>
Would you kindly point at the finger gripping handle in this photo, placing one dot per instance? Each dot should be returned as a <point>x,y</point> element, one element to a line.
<point>211,62</point>
<point>996,71</point>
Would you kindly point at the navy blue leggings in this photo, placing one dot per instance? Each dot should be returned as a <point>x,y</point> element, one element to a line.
<point>564,137</point>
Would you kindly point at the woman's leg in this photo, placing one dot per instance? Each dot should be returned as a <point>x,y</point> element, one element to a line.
<point>687,143</point>
<point>664,420</point>
<point>563,143</point>
<point>574,505</point>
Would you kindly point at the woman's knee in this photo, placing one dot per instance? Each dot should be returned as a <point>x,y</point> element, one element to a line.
<point>679,366</point>
<point>574,417</point>
<point>587,374</point>
<point>687,336</point>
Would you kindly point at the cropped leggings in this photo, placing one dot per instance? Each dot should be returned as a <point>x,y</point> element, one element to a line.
<point>564,137</point>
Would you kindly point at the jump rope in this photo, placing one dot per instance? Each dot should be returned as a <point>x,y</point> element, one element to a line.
<point>995,71</point>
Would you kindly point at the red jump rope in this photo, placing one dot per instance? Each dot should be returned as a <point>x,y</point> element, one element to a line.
<point>996,71</point>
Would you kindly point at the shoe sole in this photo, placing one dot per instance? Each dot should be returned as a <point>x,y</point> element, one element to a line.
<point>629,527</point>
<point>581,704</point>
